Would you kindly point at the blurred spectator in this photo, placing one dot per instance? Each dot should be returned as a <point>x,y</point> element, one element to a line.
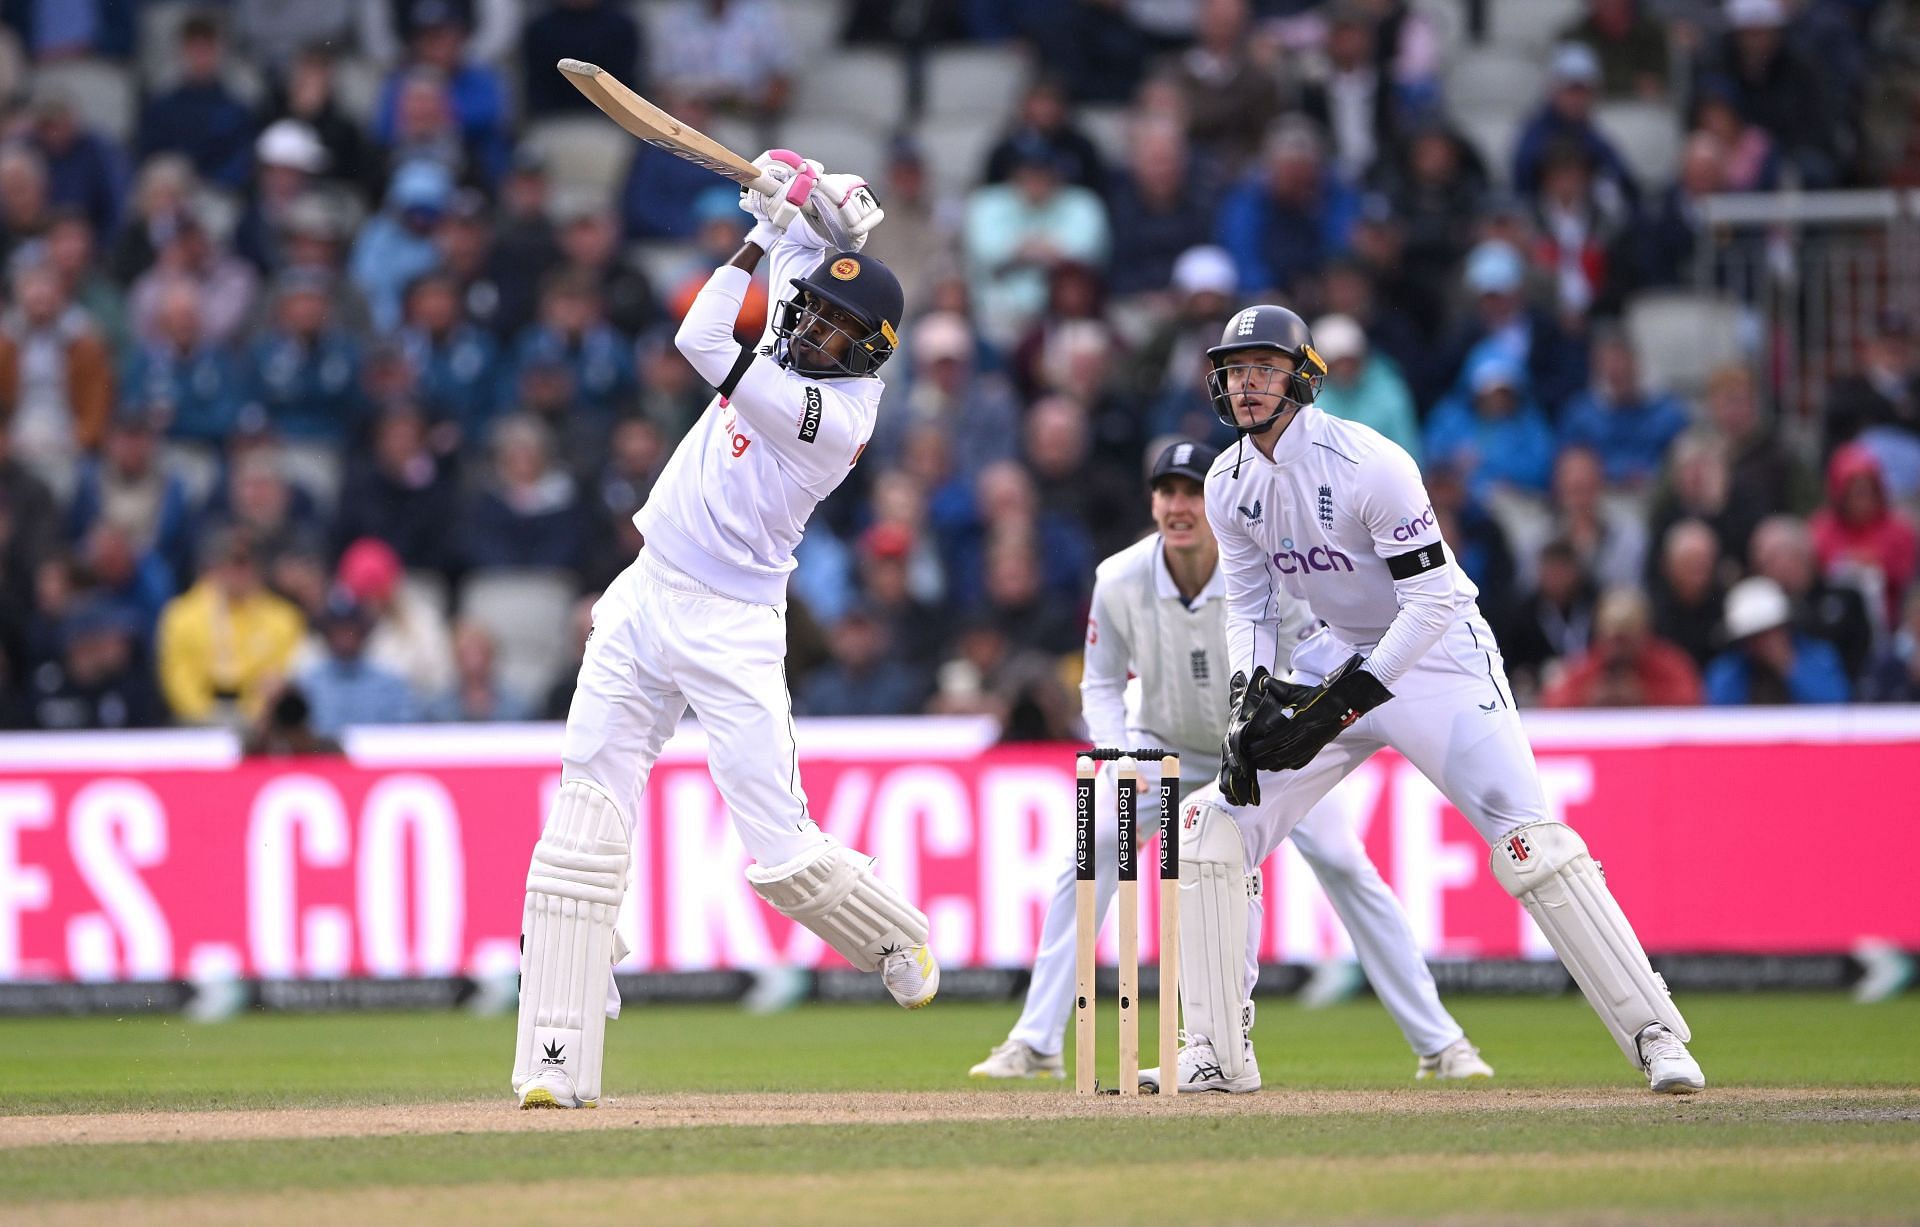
<point>559,696</point>
<point>72,254</point>
<point>313,239</point>
<point>344,687</point>
<point>1436,182</point>
<point>128,484</point>
<point>1502,323</point>
<point>1005,505</point>
<point>1767,474</point>
<point>198,383</point>
<point>1630,44</point>
<point>1554,622</point>
<point>721,227</point>
<point>396,244</point>
<point>193,252</point>
<point>200,116</point>
<point>101,680</point>
<point>572,334</point>
<point>1077,485</point>
<point>1566,119</point>
<point>1045,119</point>
<point>1697,485</point>
<point>456,364</point>
<point>1775,86</point>
<point>1362,386</point>
<point>289,158</point>
<point>84,170</point>
<point>1018,599</point>
<point>732,54</point>
<point>1783,552</point>
<point>1895,676</point>
<point>590,246</point>
<point>26,210</point>
<point>1610,539</point>
<point>1628,428</point>
<point>1288,216</point>
<point>1495,435</point>
<point>476,695</point>
<point>400,492</point>
<point>1230,81</point>
<point>1768,662</point>
<point>1076,308</point>
<point>1880,404</point>
<point>424,128</point>
<point>1627,666</point>
<point>1749,160</point>
<point>1397,327</point>
<point>1666,242</point>
<point>1687,590</point>
<point>53,32</point>
<point>309,94</point>
<point>306,368</point>
<point>672,395</point>
<point>975,409</point>
<point>56,377</point>
<point>474,95</point>
<point>1158,208</point>
<point>1169,366</point>
<point>224,641</point>
<point>285,726</point>
<point>1018,230</point>
<point>1860,536</point>
<point>278,516</point>
<point>571,28</point>
<point>1354,103</point>
<point>915,629</point>
<point>29,525</point>
<point>659,198</point>
<point>637,452</point>
<point>408,633</point>
<point>117,574</point>
<point>864,676</point>
<point>1476,539</point>
<point>278,34</point>
<point>387,28</point>
<point>495,272</point>
<point>528,513</point>
<point>1580,225</point>
<point>920,240</point>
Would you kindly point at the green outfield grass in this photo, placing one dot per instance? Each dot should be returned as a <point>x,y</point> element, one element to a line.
<point>1836,1135</point>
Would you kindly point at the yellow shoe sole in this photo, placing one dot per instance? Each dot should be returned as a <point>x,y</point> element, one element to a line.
<point>541,1097</point>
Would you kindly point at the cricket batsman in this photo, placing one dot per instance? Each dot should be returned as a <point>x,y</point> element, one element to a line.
<point>1312,508</point>
<point>699,620</point>
<point>1158,616</point>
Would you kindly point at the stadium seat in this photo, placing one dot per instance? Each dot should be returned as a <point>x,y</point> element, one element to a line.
<point>583,151</point>
<point>870,86</point>
<point>1530,25</point>
<point>356,86</point>
<point>1449,20</point>
<point>982,82</point>
<point>1648,137</point>
<point>1680,338</point>
<point>1494,133</point>
<point>956,150</point>
<point>314,466</point>
<point>13,64</point>
<point>102,93</point>
<point>840,144</point>
<point>429,588</point>
<point>1107,127</point>
<point>1494,79</point>
<point>524,611</point>
<point>196,464</point>
<point>812,27</point>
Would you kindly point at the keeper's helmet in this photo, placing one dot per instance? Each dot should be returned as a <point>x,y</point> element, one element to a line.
<point>1276,329</point>
<point>846,293</point>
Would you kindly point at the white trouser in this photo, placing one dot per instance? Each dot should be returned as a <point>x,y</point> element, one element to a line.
<point>1331,848</point>
<point>662,641</point>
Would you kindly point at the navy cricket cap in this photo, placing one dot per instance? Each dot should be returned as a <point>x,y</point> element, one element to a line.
<point>1183,458</point>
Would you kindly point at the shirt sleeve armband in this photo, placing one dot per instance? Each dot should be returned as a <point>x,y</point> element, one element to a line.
<point>739,371</point>
<point>1417,560</point>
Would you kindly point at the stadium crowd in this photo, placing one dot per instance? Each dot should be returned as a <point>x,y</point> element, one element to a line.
<point>312,416</point>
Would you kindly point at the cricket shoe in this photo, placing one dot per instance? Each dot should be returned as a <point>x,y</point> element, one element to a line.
<point>1014,1059</point>
<point>911,975</point>
<point>1671,1069</point>
<point>1200,1070</point>
<point>1458,1061</point>
<point>552,1090</point>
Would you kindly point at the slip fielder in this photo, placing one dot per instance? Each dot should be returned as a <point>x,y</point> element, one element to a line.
<point>1309,507</point>
<point>1158,615</point>
<point>699,619</point>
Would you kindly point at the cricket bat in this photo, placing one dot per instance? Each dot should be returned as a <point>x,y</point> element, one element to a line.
<point>663,131</point>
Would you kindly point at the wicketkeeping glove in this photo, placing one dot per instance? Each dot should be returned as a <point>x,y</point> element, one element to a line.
<point>1258,716</point>
<point>1312,716</point>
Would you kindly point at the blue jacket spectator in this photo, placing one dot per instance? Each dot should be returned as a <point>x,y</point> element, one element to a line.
<point>106,28</point>
<point>1629,429</point>
<point>572,334</point>
<point>1289,218</point>
<point>396,245</point>
<point>1158,209</point>
<point>199,385</point>
<point>657,201</point>
<point>306,371</point>
<point>561,31</point>
<point>1015,232</point>
<point>200,116</point>
<point>864,677</point>
<point>1503,325</point>
<point>85,171</point>
<point>479,105</point>
<point>1769,662</point>
<point>344,687</point>
<point>1493,434</point>
<point>1567,118</point>
<point>456,365</point>
<point>530,513</point>
<point>400,492</point>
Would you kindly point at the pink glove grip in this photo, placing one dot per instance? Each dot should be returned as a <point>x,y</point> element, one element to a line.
<point>801,188</point>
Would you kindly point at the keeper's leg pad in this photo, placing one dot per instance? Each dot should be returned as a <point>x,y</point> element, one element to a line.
<point>567,940</point>
<point>1213,933</point>
<point>833,891</point>
<point>1546,867</point>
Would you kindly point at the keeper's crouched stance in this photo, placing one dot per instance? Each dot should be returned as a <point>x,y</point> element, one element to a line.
<point>1336,515</point>
<point>699,620</point>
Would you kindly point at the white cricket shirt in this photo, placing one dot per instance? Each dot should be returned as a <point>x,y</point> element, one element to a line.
<point>1339,519</point>
<point>736,495</point>
<point>1175,653</point>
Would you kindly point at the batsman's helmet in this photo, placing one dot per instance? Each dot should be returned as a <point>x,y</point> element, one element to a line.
<point>861,287</point>
<point>1265,327</point>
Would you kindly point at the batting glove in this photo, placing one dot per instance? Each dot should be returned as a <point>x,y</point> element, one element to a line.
<point>845,211</point>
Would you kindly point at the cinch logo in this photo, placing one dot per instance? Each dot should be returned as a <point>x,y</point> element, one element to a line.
<point>1407,530</point>
<point>1317,558</point>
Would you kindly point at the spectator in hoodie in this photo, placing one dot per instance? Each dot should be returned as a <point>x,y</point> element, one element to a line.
<point>1857,533</point>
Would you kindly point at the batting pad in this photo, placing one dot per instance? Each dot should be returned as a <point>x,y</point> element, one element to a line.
<point>1213,934</point>
<point>833,891</point>
<point>1546,867</point>
<point>567,941</point>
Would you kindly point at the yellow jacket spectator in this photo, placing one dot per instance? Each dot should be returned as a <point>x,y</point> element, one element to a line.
<point>226,639</point>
